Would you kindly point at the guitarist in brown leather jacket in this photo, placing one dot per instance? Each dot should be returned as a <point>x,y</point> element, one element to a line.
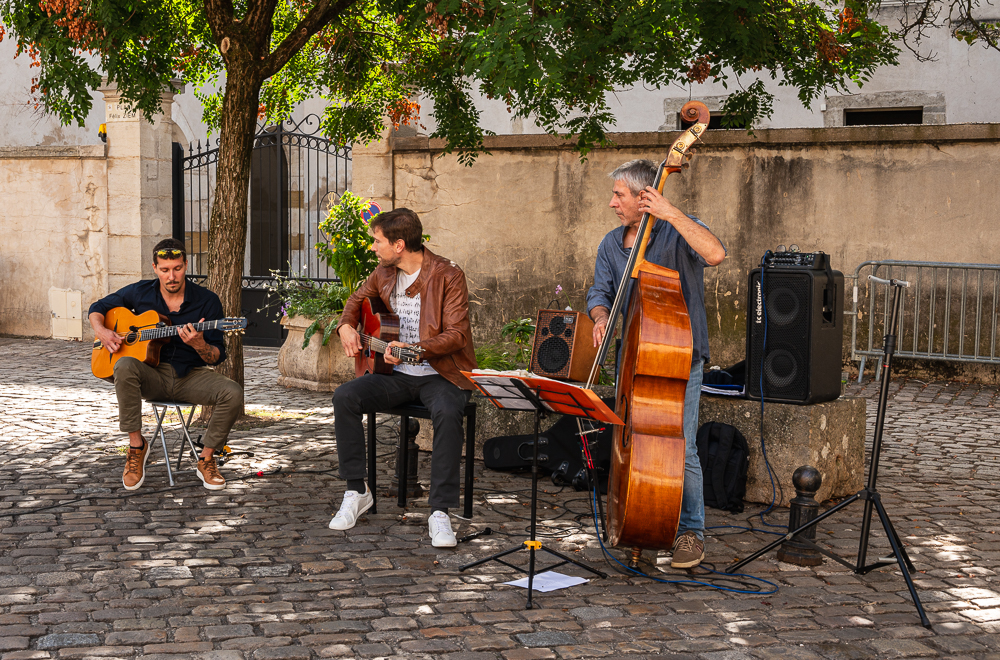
<point>430,296</point>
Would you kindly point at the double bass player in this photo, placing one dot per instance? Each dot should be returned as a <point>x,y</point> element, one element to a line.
<point>685,244</point>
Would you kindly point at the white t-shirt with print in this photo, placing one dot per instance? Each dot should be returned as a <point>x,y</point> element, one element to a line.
<point>408,311</point>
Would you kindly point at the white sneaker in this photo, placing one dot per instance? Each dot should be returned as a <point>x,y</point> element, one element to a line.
<point>353,506</point>
<point>439,525</point>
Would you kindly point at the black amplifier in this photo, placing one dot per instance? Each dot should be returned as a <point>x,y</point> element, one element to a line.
<point>806,260</point>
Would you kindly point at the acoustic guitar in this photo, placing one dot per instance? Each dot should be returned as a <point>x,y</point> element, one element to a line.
<point>378,327</point>
<point>142,337</point>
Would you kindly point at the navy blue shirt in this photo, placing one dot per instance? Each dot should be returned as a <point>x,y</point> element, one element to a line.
<point>666,248</point>
<point>199,303</point>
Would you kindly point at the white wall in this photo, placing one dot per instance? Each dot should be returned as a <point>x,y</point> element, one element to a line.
<point>966,75</point>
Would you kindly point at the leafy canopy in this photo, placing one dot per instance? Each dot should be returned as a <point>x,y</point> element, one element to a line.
<point>555,61</point>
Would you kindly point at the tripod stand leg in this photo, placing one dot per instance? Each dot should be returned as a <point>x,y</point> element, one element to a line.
<point>495,557</point>
<point>771,546</point>
<point>574,562</point>
<point>903,560</point>
<point>531,574</point>
<point>866,528</point>
<point>875,501</point>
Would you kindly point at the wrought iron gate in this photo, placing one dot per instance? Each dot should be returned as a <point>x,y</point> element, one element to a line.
<point>292,175</point>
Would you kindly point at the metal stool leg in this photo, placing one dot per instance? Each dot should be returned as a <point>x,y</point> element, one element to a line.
<point>403,453</point>
<point>470,454</point>
<point>371,461</point>
<point>160,416</point>
<point>187,435</point>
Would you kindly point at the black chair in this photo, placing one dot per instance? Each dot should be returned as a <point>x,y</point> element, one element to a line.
<point>417,409</point>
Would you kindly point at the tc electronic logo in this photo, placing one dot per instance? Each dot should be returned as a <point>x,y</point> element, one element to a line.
<point>760,309</point>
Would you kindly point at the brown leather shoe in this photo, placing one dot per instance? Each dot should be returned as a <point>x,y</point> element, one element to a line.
<point>135,466</point>
<point>689,550</point>
<point>208,472</point>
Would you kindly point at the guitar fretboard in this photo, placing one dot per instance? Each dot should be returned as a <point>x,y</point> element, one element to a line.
<point>381,346</point>
<point>171,330</point>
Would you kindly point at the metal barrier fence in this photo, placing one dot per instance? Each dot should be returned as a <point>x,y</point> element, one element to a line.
<point>949,312</point>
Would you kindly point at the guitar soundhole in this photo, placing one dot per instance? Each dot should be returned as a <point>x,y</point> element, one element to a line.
<point>130,338</point>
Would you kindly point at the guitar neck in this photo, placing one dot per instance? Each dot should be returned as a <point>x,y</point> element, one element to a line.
<point>381,346</point>
<point>171,330</point>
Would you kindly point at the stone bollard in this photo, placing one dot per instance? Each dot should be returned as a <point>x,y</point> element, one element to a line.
<point>413,487</point>
<point>803,508</point>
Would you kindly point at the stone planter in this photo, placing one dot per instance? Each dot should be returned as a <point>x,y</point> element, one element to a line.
<point>318,368</point>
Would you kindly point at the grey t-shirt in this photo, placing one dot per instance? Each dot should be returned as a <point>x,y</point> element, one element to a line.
<point>666,248</point>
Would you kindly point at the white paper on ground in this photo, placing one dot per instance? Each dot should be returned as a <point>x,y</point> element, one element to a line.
<point>549,581</point>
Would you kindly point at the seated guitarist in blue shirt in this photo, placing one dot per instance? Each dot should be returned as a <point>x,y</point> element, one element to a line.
<point>184,372</point>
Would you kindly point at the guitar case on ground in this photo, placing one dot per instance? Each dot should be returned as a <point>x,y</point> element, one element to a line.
<point>558,453</point>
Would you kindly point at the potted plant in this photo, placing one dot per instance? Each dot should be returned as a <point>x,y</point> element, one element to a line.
<point>312,308</point>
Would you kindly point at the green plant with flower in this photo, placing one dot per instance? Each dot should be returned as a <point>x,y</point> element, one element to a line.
<point>348,250</point>
<point>347,253</point>
<point>320,301</point>
<point>520,331</point>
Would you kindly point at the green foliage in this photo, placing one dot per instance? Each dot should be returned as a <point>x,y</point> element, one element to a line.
<point>520,332</point>
<point>301,296</point>
<point>496,356</point>
<point>555,62</point>
<point>348,249</point>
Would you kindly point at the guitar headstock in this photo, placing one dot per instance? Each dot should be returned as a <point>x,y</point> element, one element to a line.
<point>231,324</point>
<point>408,354</point>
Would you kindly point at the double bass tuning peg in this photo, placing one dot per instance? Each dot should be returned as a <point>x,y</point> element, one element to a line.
<point>690,153</point>
<point>685,165</point>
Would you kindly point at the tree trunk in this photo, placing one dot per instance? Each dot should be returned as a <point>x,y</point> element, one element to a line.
<point>228,229</point>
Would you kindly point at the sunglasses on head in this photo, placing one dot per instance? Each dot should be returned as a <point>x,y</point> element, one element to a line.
<point>169,253</point>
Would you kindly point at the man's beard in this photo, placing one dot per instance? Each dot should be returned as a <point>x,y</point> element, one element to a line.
<point>173,286</point>
<point>391,262</point>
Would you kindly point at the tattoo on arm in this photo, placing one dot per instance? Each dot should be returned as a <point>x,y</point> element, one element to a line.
<point>210,354</point>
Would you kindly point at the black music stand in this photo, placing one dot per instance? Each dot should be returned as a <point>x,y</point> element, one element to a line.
<point>869,493</point>
<point>535,394</point>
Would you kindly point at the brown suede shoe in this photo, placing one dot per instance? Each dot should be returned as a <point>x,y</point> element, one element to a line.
<point>208,472</point>
<point>689,550</point>
<point>135,466</point>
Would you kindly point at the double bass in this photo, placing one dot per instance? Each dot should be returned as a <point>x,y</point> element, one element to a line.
<point>647,465</point>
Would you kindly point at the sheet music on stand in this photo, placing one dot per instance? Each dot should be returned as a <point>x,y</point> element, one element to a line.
<point>518,390</point>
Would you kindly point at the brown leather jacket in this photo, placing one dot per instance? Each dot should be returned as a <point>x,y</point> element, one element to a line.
<point>446,335</point>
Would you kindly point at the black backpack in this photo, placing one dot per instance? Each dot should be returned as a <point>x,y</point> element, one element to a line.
<point>725,458</point>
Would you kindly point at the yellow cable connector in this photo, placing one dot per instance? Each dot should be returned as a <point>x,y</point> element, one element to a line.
<point>102,132</point>
<point>533,545</point>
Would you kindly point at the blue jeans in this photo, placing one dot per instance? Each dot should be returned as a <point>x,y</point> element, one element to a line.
<point>693,500</point>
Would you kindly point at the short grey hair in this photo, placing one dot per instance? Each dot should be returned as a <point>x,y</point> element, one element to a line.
<point>637,174</point>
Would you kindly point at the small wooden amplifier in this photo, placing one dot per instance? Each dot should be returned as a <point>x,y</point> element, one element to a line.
<point>563,347</point>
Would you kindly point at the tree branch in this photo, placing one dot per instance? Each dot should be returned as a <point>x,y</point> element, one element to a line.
<point>259,21</point>
<point>220,15</point>
<point>319,16</point>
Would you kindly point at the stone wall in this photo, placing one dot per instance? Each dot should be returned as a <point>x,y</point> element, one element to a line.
<point>53,220</point>
<point>529,216</point>
<point>82,221</point>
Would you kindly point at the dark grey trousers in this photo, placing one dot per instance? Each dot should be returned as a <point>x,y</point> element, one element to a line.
<point>376,392</point>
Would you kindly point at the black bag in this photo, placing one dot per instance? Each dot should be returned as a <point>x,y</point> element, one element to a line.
<point>725,459</point>
<point>561,449</point>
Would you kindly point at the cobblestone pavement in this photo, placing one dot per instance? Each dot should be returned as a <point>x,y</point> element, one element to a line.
<point>252,572</point>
